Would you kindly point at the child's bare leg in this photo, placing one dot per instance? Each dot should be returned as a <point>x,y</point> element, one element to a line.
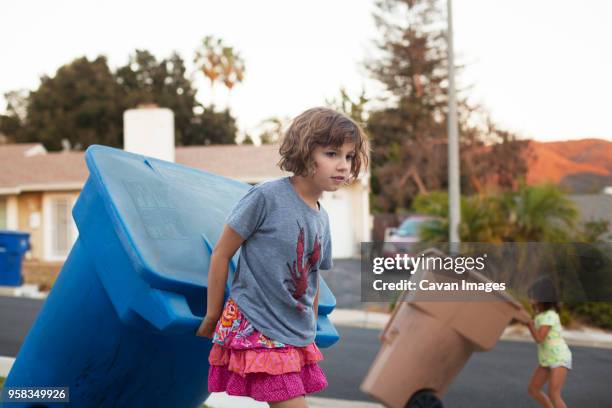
<point>297,402</point>
<point>539,378</point>
<point>557,379</point>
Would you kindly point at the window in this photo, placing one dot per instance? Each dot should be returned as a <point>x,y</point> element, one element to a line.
<point>3,213</point>
<point>60,226</point>
<point>60,229</point>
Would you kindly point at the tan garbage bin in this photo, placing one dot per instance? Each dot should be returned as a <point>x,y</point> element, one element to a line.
<point>426,343</point>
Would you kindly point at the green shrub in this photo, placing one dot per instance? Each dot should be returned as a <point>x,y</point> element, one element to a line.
<point>564,312</point>
<point>565,316</point>
<point>597,313</point>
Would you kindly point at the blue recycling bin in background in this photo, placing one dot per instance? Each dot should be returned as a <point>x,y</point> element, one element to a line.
<point>13,246</point>
<point>118,328</point>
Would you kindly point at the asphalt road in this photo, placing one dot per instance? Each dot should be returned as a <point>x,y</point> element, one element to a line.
<point>16,318</point>
<point>344,280</point>
<point>494,379</point>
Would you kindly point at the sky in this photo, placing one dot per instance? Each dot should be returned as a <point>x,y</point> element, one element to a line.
<point>539,67</point>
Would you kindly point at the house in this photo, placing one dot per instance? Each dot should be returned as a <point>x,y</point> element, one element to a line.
<point>39,188</point>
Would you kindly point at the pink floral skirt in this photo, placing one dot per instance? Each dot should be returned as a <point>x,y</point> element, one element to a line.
<point>245,362</point>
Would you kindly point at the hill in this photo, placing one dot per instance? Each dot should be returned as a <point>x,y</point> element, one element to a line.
<point>580,166</point>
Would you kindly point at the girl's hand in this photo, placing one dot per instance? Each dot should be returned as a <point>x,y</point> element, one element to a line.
<point>529,323</point>
<point>523,317</point>
<point>207,327</point>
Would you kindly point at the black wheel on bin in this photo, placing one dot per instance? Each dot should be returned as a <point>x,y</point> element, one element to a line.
<point>424,399</point>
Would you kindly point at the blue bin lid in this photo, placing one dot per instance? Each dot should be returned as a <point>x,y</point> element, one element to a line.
<point>14,241</point>
<point>163,211</point>
<point>168,217</point>
<point>14,233</point>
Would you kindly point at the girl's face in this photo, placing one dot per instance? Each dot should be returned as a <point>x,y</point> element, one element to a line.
<point>332,166</point>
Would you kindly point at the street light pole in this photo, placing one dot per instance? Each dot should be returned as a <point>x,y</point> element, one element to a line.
<point>454,193</point>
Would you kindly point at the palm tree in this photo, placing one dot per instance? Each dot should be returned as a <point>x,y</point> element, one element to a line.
<point>219,63</point>
<point>542,213</point>
<point>533,213</point>
<point>481,218</point>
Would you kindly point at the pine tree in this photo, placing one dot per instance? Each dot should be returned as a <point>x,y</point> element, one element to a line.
<point>409,134</point>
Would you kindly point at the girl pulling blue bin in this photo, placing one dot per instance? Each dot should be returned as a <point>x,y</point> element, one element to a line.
<point>118,327</point>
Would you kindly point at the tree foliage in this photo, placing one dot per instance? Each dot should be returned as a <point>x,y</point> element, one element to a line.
<point>84,103</point>
<point>272,129</point>
<point>538,213</point>
<point>144,80</point>
<point>219,62</point>
<point>353,108</point>
<point>409,134</point>
<point>79,103</point>
<point>214,127</point>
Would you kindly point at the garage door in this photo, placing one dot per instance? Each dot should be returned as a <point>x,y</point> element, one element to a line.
<point>338,207</point>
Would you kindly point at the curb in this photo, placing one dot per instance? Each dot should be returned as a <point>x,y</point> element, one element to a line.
<point>222,400</point>
<point>5,365</point>
<point>359,318</point>
<point>580,338</point>
<point>27,290</point>
<point>316,402</point>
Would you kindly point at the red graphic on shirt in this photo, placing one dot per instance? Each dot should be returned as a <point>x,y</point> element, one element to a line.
<point>301,267</point>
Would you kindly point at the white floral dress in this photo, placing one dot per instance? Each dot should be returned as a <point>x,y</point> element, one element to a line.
<point>553,351</point>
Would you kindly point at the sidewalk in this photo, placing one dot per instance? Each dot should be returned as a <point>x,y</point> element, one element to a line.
<point>222,400</point>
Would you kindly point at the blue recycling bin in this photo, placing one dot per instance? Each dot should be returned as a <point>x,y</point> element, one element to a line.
<point>118,328</point>
<point>13,246</point>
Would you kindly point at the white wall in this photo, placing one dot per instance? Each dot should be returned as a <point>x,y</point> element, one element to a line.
<point>349,218</point>
<point>341,222</point>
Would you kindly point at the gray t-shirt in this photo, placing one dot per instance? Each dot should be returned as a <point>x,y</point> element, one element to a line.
<point>286,243</point>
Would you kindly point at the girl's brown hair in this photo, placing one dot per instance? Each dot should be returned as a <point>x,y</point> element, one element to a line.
<point>320,127</point>
<point>544,294</point>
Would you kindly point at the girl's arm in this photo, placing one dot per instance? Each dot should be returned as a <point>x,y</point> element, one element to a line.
<point>226,247</point>
<point>538,335</point>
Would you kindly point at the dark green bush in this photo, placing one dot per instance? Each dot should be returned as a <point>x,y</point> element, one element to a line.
<point>597,313</point>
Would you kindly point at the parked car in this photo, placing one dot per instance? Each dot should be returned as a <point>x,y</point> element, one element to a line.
<point>407,235</point>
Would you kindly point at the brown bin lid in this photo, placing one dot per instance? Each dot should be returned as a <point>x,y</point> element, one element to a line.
<point>480,320</point>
